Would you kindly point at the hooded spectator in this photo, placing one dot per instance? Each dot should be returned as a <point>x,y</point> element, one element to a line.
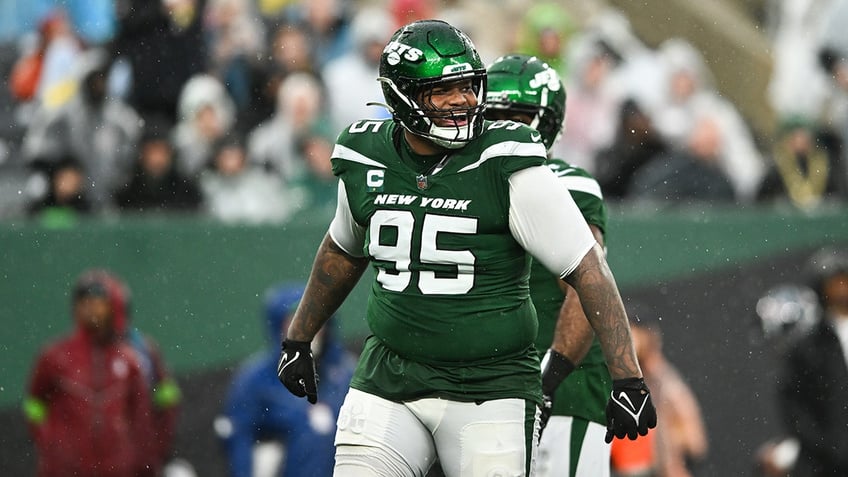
<point>207,114</point>
<point>88,402</point>
<point>256,412</point>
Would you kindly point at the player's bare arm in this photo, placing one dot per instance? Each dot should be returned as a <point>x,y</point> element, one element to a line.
<point>573,334</point>
<point>334,274</point>
<point>604,309</point>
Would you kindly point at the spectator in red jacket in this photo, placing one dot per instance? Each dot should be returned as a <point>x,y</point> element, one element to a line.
<point>88,404</point>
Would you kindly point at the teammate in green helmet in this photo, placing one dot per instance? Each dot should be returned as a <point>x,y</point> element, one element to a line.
<point>525,89</point>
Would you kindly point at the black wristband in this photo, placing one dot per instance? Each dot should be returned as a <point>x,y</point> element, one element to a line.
<point>557,367</point>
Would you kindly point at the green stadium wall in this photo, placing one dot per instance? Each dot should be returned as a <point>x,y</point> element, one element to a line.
<point>197,285</point>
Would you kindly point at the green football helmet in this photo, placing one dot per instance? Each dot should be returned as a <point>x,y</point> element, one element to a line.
<point>423,55</point>
<point>526,85</point>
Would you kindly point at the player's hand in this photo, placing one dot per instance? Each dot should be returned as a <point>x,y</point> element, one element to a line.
<point>296,370</point>
<point>630,411</point>
<point>547,409</point>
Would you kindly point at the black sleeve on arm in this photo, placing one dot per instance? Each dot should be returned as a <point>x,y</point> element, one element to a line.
<point>555,368</point>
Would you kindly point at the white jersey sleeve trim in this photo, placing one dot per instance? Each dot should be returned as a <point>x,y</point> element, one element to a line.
<point>508,148</point>
<point>344,231</point>
<point>582,184</point>
<point>348,154</point>
<point>545,220</point>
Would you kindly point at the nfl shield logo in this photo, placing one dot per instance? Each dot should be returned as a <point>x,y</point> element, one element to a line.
<point>421,181</point>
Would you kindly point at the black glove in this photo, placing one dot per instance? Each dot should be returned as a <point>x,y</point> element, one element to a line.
<point>296,370</point>
<point>630,411</point>
<point>555,368</point>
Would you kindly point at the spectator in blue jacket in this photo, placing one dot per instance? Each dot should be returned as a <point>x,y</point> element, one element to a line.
<point>258,412</point>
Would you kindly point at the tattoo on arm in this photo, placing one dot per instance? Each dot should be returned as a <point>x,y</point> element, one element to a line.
<point>334,274</point>
<point>604,309</point>
<point>573,334</point>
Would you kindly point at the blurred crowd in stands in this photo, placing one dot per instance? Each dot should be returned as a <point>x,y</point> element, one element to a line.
<point>230,108</point>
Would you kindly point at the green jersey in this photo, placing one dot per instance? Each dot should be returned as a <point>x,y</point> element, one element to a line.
<point>584,393</point>
<point>449,309</point>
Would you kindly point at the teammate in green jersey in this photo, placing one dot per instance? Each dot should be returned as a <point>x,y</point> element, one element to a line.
<point>525,89</point>
<point>447,209</point>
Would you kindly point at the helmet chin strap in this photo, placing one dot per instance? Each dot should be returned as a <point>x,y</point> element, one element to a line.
<point>537,118</point>
<point>446,138</point>
<point>450,137</point>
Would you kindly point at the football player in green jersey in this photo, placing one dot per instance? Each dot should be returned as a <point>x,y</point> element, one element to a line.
<point>447,209</point>
<point>525,89</point>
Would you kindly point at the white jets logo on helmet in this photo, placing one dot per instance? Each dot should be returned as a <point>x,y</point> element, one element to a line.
<point>450,69</point>
<point>397,51</point>
<point>548,78</point>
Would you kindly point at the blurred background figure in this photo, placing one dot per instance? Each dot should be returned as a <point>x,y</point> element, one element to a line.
<point>640,72</point>
<point>300,123</point>
<point>687,173</point>
<point>88,402</point>
<point>236,191</point>
<point>236,40</point>
<point>680,440</point>
<point>689,94</point>
<point>265,432</point>
<point>813,380</point>
<point>66,199</point>
<point>591,103</point>
<point>40,75</point>
<point>155,184</point>
<point>351,79</point>
<point>798,86</point>
<point>785,313</point>
<point>328,24</point>
<point>159,46</point>
<point>545,32</point>
<point>833,60</point>
<point>272,144</point>
<point>319,186</point>
<point>408,11</point>
<point>102,132</point>
<point>287,49</point>
<point>292,49</point>
<point>806,167</point>
<point>607,65</point>
<point>635,144</point>
<point>207,114</point>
